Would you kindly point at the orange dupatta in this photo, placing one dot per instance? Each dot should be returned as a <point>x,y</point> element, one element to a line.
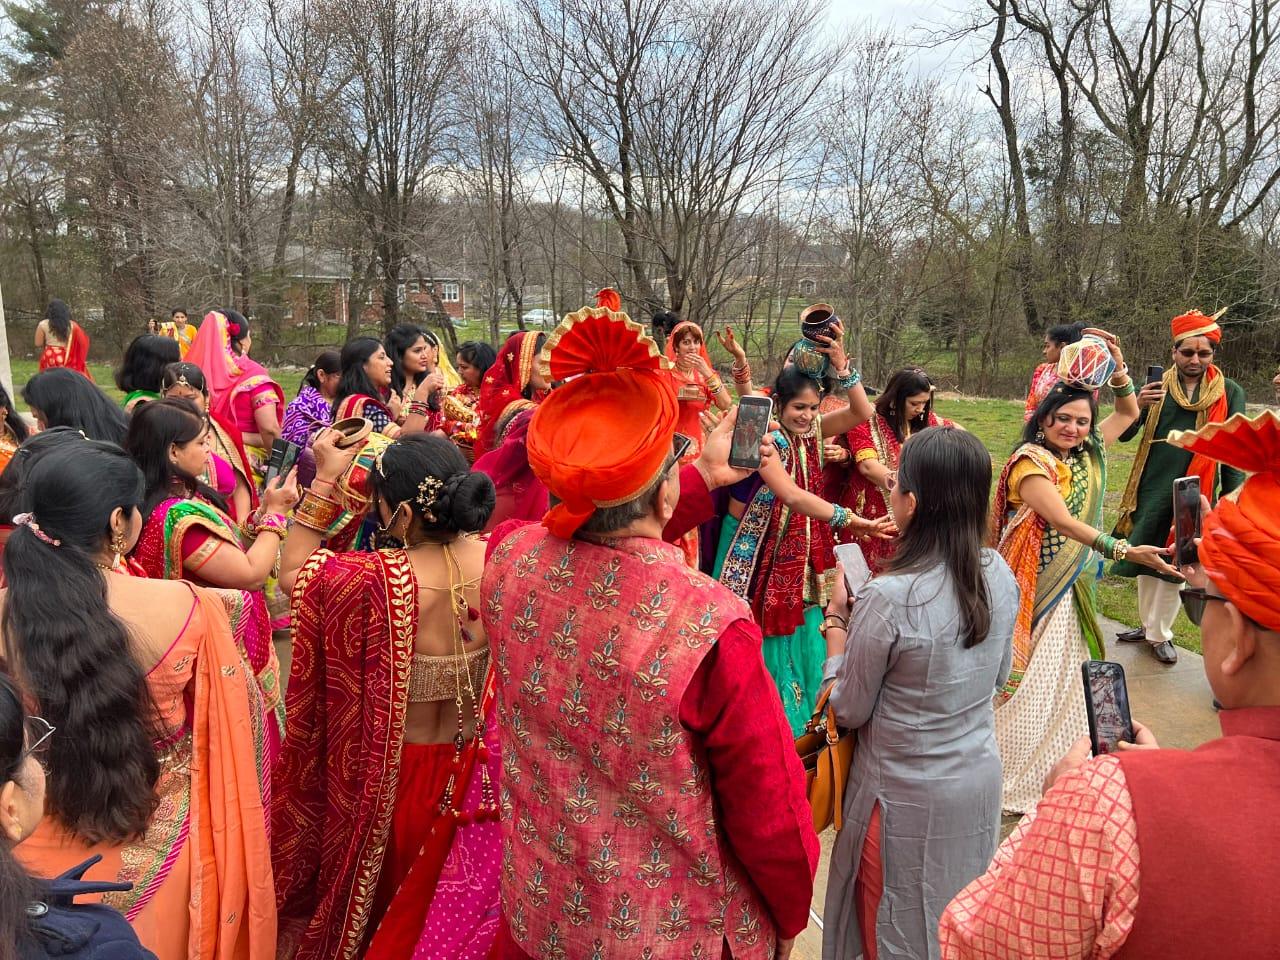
<point>233,904</point>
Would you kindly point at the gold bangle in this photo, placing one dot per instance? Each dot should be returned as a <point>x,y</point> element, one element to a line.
<point>316,512</point>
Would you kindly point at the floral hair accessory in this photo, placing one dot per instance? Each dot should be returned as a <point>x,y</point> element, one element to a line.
<point>233,328</point>
<point>28,520</point>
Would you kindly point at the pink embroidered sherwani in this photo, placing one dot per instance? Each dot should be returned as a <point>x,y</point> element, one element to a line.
<point>644,810</point>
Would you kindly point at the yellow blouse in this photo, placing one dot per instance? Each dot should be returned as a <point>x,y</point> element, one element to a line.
<point>1026,467</point>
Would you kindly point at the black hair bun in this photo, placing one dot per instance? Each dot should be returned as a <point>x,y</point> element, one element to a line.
<point>466,502</point>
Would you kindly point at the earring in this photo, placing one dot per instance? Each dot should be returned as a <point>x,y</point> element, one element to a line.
<point>119,546</point>
<point>1039,436</point>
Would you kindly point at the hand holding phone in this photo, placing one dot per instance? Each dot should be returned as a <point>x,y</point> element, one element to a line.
<point>854,562</point>
<point>1106,701</point>
<point>754,414</point>
<point>283,456</point>
<point>1186,520</point>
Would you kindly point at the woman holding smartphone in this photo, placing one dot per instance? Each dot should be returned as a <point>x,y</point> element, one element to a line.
<point>1048,522</point>
<point>777,540</point>
<point>915,659</point>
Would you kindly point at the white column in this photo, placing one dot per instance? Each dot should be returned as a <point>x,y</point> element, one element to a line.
<point>6,368</point>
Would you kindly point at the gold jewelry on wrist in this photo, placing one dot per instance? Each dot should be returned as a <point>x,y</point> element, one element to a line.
<point>833,622</point>
<point>316,512</point>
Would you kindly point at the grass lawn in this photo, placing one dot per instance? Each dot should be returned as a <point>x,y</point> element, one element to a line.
<point>999,423</point>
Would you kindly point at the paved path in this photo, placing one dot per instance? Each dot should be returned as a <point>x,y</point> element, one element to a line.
<point>1175,702</point>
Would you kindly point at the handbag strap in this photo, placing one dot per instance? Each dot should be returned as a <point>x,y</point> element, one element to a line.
<point>825,717</point>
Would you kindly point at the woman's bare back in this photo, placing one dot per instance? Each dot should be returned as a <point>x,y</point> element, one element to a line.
<point>442,630</point>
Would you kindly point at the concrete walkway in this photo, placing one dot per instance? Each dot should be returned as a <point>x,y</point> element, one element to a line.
<point>1175,702</point>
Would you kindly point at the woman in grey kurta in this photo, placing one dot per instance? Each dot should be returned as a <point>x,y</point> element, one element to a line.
<point>916,682</point>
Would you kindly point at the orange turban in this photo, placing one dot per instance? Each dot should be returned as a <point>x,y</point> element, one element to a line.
<point>609,299</point>
<point>1196,324</point>
<point>602,437</point>
<point>1240,546</point>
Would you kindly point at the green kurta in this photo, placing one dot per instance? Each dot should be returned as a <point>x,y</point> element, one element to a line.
<point>1153,515</point>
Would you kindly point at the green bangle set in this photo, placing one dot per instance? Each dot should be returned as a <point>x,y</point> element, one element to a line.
<point>847,383</point>
<point>1127,390</point>
<point>1113,548</point>
<point>841,517</point>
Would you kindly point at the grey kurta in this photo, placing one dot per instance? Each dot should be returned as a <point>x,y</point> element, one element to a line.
<point>926,751</point>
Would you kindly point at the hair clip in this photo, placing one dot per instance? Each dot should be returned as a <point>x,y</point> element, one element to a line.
<point>428,493</point>
<point>28,520</point>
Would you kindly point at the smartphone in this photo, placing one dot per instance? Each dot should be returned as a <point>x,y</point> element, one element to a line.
<point>680,446</point>
<point>283,456</point>
<point>1106,701</point>
<point>1186,520</point>
<point>856,571</point>
<point>754,414</point>
<point>1155,373</point>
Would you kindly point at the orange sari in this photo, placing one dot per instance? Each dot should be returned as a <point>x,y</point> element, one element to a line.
<point>201,875</point>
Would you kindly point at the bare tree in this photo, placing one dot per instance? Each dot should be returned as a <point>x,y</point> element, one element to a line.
<point>393,120</point>
<point>679,112</point>
<point>496,142</point>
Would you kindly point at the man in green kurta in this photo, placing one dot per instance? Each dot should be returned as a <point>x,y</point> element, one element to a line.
<point>1191,394</point>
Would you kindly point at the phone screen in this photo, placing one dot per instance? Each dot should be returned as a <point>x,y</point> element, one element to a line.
<point>856,571</point>
<point>1186,519</point>
<point>283,456</point>
<point>1107,704</point>
<point>1155,373</point>
<point>752,424</point>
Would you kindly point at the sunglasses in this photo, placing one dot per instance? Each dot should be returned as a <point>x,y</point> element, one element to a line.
<point>1194,601</point>
<point>1202,354</point>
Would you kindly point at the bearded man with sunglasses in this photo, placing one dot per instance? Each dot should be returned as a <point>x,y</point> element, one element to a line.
<point>1150,853</point>
<point>1192,394</point>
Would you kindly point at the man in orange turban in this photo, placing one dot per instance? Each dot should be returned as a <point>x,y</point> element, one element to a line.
<point>625,677</point>
<point>1104,867</point>
<point>1192,393</point>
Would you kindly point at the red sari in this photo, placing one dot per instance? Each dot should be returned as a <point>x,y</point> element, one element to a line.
<point>874,439</point>
<point>73,356</point>
<point>505,415</point>
<point>334,825</point>
<point>695,399</point>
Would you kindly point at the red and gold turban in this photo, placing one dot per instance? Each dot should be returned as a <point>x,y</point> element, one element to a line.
<point>1240,546</point>
<point>1196,324</point>
<point>601,438</point>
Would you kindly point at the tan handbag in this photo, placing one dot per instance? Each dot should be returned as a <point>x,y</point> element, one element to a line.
<point>826,752</point>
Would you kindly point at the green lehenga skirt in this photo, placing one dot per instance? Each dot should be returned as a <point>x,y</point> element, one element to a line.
<point>795,662</point>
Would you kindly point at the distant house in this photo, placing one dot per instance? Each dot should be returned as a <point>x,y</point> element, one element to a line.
<point>320,282</point>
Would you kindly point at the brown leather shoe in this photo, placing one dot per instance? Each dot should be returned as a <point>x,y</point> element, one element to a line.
<point>1136,635</point>
<point>1165,652</point>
